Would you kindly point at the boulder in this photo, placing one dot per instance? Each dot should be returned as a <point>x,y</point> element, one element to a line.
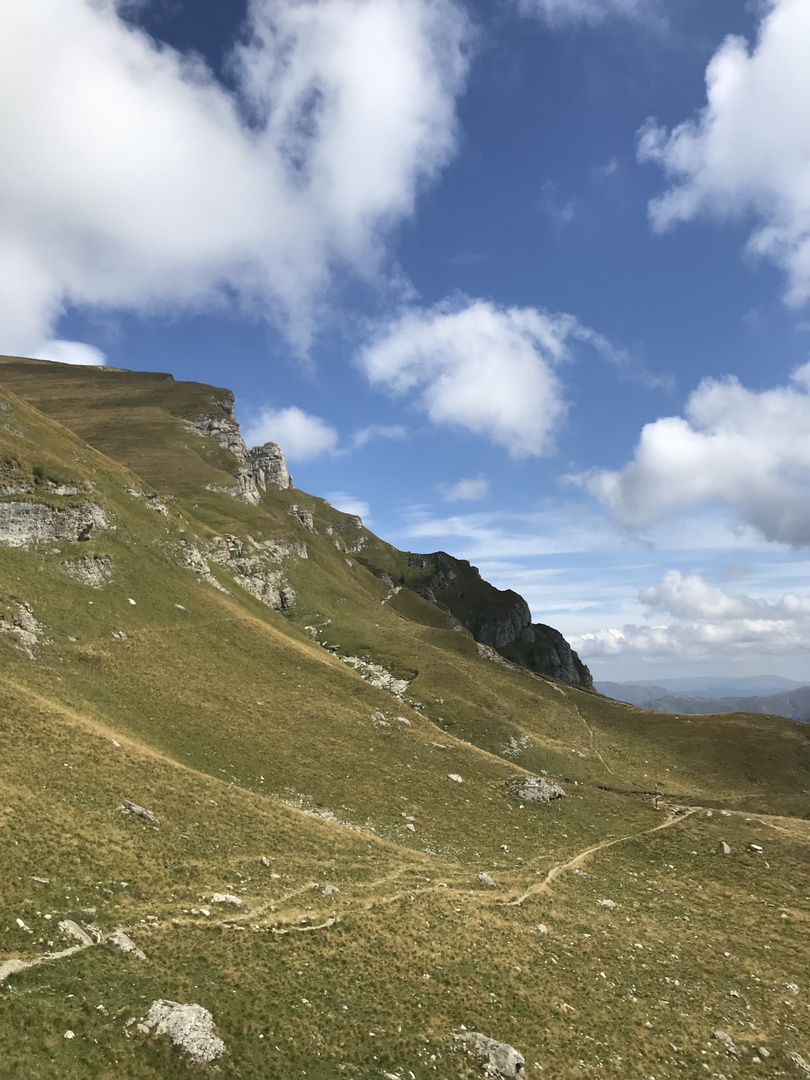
<point>534,789</point>
<point>500,1059</point>
<point>139,811</point>
<point>122,943</point>
<point>92,570</point>
<point>189,1027</point>
<point>226,898</point>
<point>726,1042</point>
<point>485,879</point>
<point>73,930</point>
<point>722,848</point>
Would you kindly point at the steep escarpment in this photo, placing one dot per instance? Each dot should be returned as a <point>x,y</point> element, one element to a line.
<point>498,618</point>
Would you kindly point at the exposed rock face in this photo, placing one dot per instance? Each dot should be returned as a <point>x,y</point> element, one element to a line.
<point>258,467</point>
<point>189,1027</point>
<point>23,627</point>
<point>256,567</point>
<point>271,468</point>
<point>23,523</point>
<point>497,619</point>
<point>534,789</point>
<point>92,570</point>
<point>500,1059</point>
<point>304,516</point>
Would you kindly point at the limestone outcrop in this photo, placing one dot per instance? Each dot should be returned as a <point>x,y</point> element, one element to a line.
<point>270,466</point>
<point>24,522</point>
<point>92,570</point>
<point>534,789</point>
<point>257,468</point>
<point>189,1027</point>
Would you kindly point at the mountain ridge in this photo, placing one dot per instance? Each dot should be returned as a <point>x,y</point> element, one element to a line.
<point>363,832</point>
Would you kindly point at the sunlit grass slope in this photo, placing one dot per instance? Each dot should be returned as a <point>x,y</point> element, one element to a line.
<point>365,938</point>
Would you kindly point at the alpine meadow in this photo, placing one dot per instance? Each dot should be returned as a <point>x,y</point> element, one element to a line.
<point>343,803</point>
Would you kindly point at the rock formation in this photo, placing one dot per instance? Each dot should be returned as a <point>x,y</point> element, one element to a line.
<point>497,619</point>
<point>270,466</point>
<point>189,1027</point>
<point>257,468</point>
<point>26,522</point>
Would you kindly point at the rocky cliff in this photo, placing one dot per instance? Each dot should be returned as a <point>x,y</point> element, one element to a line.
<point>498,618</point>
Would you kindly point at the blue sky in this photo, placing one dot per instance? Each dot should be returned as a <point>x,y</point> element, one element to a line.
<point>525,280</point>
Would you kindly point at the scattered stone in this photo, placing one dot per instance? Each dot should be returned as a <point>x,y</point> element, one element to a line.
<point>21,926</point>
<point>500,1059</point>
<point>226,898</point>
<point>328,890</point>
<point>726,1042</point>
<point>541,928</point>
<point>122,943</point>
<point>378,719</point>
<point>755,848</point>
<point>69,1034</point>
<point>606,903</point>
<point>791,988</point>
<point>264,860</point>
<point>798,1061</point>
<point>403,720</point>
<point>534,789</point>
<point>92,570</point>
<point>763,1051</point>
<point>189,1027</point>
<point>376,675</point>
<point>139,811</point>
<point>723,848</point>
<point>42,880</point>
<point>410,827</point>
<point>486,880</point>
<point>23,627</point>
<point>455,777</point>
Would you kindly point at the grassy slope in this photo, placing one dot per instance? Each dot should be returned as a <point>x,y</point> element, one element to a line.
<point>227,714</point>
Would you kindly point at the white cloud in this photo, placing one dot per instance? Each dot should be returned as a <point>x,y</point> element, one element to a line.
<point>746,450</point>
<point>377,431</point>
<point>706,620</point>
<point>467,490</point>
<point>71,352</point>
<point>140,182</point>
<point>748,151</point>
<point>348,504</point>
<point>301,436</point>
<point>476,366</point>
<point>562,12</point>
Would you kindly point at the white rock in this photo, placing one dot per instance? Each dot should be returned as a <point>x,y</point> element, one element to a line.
<point>226,898</point>
<point>455,777</point>
<point>121,942</point>
<point>726,1042</point>
<point>410,827</point>
<point>541,928</point>
<point>189,1027</point>
<point>606,903</point>
<point>72,929</point>
<point>69,1034</point>
<point>486,880</point>
<point>755,848</point>
<point>500,1059</point>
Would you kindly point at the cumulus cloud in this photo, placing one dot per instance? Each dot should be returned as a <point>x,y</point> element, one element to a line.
<point>748,151</point>
<point>563,12</point>
<point>467,490</point>
<point>471,364</point>
<point>71,352</point>
<point>746,450</point>
<point>301,436</point>
<point>140,182</point>
<point>706,618</point>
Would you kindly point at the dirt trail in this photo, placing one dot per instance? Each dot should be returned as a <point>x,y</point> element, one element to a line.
<point>11,967</point>
<point>591,739</point>
<point>577,860</point>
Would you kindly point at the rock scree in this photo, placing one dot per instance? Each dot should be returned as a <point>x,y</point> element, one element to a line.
<point>189,1027</point>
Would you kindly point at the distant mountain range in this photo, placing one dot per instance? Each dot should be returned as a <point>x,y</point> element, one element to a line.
<point>768,694</point>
